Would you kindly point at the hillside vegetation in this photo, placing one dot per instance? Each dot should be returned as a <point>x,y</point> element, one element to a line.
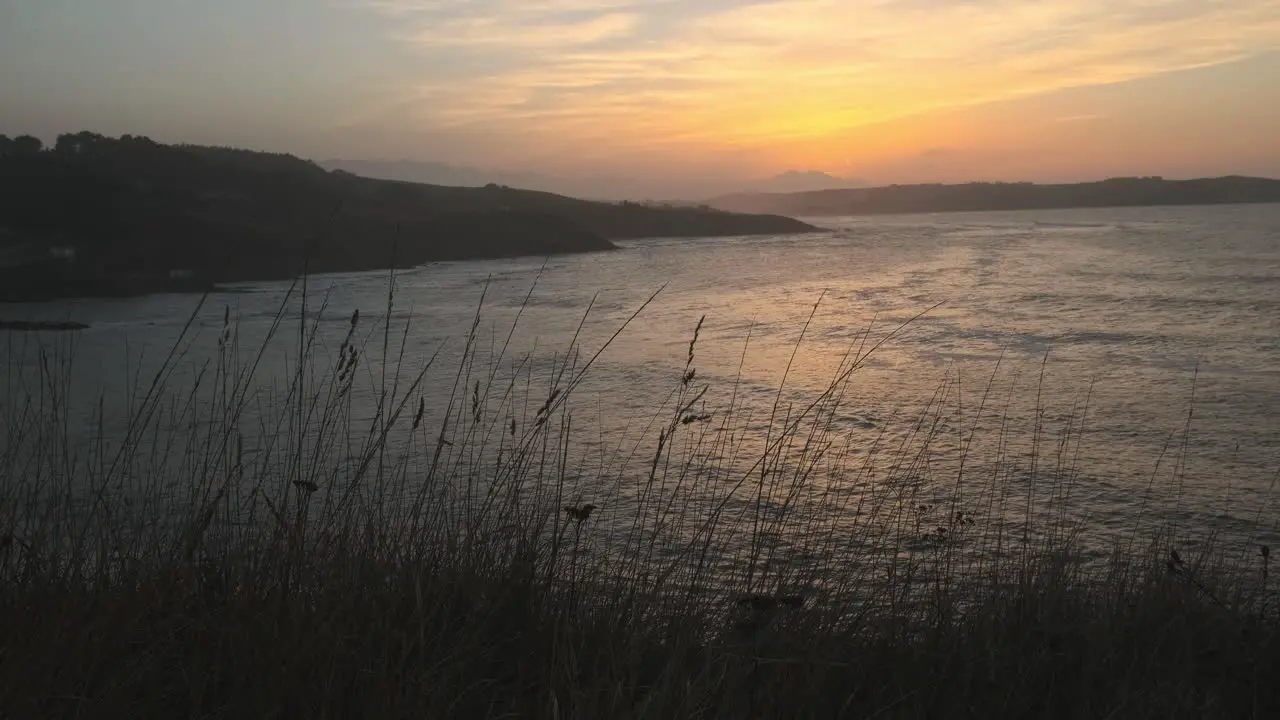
<point>101,216</point>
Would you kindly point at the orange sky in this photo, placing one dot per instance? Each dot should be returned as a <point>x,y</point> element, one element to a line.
<point>687,95</point>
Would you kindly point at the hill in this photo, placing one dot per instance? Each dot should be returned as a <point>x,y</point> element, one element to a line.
<point>96,216</point>
<point>597,187</point>
<point>1116,192</point>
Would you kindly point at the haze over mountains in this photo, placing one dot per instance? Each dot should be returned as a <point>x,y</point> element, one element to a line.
<point>679,187</point>
<point>810,193</point>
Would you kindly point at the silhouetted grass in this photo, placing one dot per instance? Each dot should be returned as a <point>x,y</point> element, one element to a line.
<point>225,556</point>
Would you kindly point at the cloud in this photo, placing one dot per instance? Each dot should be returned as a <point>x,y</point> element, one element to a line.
<point>405,8</point>
<point>739,73</point>
<point>498,33</point>
<point>1086,117</point>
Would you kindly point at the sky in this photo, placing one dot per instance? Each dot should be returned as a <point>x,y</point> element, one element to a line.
<point>678,97</point>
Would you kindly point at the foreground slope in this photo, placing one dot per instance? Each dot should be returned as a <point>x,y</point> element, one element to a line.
<point>98,216</point>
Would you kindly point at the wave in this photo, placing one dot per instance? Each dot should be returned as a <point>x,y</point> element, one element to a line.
<point>1045,224</point>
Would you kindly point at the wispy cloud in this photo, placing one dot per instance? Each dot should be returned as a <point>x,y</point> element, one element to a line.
<point>740,73</point>
<point>1086,117</point>
<point>500,33</point>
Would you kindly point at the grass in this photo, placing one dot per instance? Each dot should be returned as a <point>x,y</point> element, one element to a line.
<point>238,548</point>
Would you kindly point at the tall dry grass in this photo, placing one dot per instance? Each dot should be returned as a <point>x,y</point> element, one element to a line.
<point>291,552</point>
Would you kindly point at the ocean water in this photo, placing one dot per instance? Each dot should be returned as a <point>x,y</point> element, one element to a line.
<point>1134,351</point>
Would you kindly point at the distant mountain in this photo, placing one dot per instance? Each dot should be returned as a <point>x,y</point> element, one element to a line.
<point>97,216</point>
<point>1116,192</point>
<point>794,181</point>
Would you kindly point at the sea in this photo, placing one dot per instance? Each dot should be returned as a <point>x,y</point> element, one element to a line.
<point>1126,360</point>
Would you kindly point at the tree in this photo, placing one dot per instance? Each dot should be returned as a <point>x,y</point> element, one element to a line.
<point>27,145</point>
<point>74,143</point>
<point>6,145</point>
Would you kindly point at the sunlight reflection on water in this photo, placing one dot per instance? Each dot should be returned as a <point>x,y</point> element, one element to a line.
<point>1135,309</point>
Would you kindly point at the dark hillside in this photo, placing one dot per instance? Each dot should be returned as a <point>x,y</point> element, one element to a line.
<point>615,221</point>
<point>103,216</point>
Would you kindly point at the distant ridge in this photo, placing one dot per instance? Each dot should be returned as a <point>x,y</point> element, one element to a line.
<point>607,188</point>
<point>795,181</point>
<point>1115,192</point>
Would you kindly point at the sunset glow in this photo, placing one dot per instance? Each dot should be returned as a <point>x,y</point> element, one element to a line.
<point>881,90</point>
